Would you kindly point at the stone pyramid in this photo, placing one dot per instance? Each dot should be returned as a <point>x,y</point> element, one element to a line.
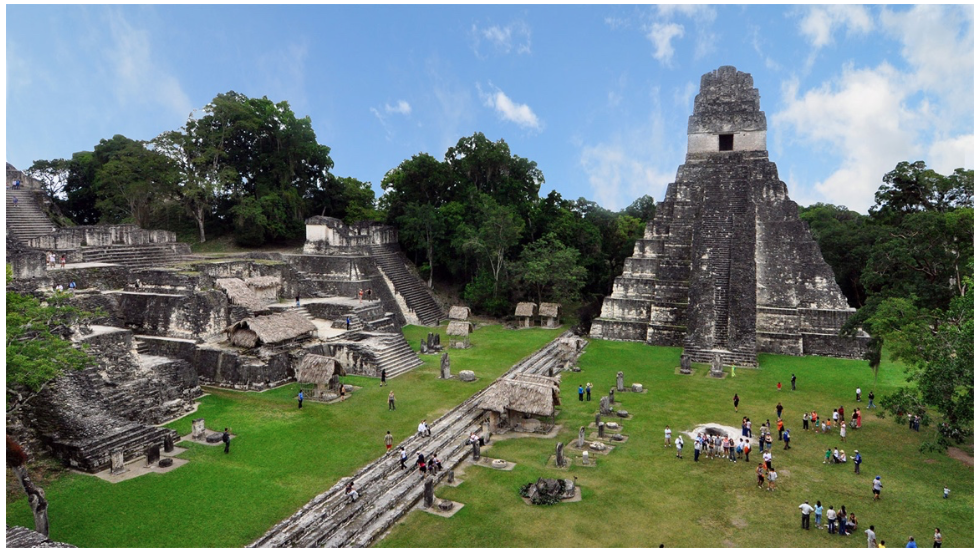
<point>727,268</point>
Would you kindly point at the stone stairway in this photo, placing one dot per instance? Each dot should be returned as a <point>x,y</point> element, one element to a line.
<point>26,220</point>
<point>22,537</point>
<point>413,291</point>
<point>389,351</point>
<point>386,492</point>
<point>141,256</point>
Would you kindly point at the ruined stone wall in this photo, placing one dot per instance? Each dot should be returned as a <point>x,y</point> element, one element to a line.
<point>199,315</point>
<point>330,236</point>
<point>222,367</point>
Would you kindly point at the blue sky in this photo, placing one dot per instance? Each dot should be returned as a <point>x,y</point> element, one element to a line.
<point>598,96</point>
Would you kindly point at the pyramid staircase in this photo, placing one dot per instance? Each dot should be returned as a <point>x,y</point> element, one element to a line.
<point>26,220</point>
<point>141,256</point>
<point>413,291</point>
<point>385,351</point>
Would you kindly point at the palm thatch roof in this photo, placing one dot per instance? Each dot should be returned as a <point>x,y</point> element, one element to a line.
<point>525,309</point>
<point>240,294</point>
<point>459,313</point>
<point>272,329</point>
<point>549,310</point>
<point>263,282</point>
<point>316,369</point>
<point>524,393</point>
<point>459,329</point>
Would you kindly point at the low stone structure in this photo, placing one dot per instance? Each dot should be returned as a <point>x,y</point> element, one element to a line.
<point>459,334</point>
<point>323,372</point>
<point>549,315</point>
<point>523,395</point>
<point>546,491</point>
<point>270,330</point>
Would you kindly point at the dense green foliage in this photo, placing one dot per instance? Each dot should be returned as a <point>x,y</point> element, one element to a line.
<point>38,349</point>
<point>908,267</point>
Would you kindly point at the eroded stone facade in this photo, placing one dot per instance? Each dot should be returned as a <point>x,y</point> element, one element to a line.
<point>727,268</point>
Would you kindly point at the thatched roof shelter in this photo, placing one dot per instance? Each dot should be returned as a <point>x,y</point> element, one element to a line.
<point>316,369</point>
<point>459,329</point>
<point>524,393</point>
<point>240,294</point>
<point>459,313</point>
<point>549,310</point>
<point>263,282</point>
<point>525,309</point>
<point>276,328</point>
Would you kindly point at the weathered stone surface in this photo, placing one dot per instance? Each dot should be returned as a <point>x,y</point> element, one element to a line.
<point>726,265</point>
<point>118,462</point>
<point>586,457</point>
<point>445,505</point>
<point>214,437</point>
<point>637,387</point>
<point>199,429</point>
<point>686,364</point>
<point>467,376</point>
<point>623,414</point>
<point>598,446</point>
<point>445,366</point>
<point>617,437</point>
<point>428,492</point>
<point>605,405</point>
<point>152,454</point>
<point>580,441</point>
<point>613,425</point>
<point>475,452</point>
<point>620,381</point>
<point>560,458</point>
<point>716,370</point>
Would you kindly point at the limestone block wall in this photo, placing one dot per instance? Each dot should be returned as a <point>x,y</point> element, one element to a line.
<point>328,236</point>
<point>199,315</point>
<point>225,368</point>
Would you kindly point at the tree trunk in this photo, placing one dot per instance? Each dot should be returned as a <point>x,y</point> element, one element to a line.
<point>35,496</point>
<point>198,216</point>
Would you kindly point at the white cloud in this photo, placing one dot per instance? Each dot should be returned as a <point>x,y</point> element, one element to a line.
<point>819,22</point>
<point>660,35</point>
<point>700,13</point>
<point>948,154</point>
<point>515,36</point>
<point>509,110</point>
<point>137,76</point>
<point>401,107</point>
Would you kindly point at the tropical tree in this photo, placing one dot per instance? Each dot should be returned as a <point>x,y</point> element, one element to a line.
<point>498,230</point>
<point>551,270</point>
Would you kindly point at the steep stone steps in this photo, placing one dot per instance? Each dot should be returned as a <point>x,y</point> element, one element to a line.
<point>143,256</point>
<point>413,291</point>
<point>26,220</point>
<point>386,492</point>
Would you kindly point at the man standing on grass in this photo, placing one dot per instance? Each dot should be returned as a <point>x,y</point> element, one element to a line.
<point>667,436</point>
<point>588,387</point>
<point>679,444</point>
<point>580,392</point>
<point>877,488</point>
<point>793,381</point>
<point>391,399</point>
<point>857,462</point>
<point>301,398</point>
<point>857,394</point>
<point>226,439</point>
<point>872,539</point>
<point>388,439</point>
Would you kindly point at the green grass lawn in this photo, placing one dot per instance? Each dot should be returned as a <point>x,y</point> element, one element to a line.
<point>638,495</point>
<point>641,495</point>
<point>281,458</point>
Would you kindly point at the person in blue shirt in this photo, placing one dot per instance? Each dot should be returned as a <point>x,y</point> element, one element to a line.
<point>818,514</point>
<point>857,462</point>
<point>911,543</point>
<point>581,392</point>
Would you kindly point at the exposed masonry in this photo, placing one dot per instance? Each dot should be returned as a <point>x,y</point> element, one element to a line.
<point>727,268</point>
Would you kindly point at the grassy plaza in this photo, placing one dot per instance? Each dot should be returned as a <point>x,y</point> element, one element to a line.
<point>637,495</point>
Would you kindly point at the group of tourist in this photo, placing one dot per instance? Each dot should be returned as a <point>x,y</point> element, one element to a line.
<point>914,421</point>
<point>715,446</point>
<point>52,260</point>
<point>585,390</point>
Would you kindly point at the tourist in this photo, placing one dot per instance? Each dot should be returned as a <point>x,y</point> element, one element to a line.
<point>911,543</point>
<point>779,429</point>
<point>360,296</point>
<point>760,477</point>
<point>843,431</point>
<point>735,401</point>
<point>815,419</point>
<point>226,439</point>
<point>818,514</point>
<point>827,458</point>
<point>840,415</point>
<point>767,459</point>
<point>771,484</point>
<point>59,288</point>
<point>857,394</point>
<point>388,439</point>
<point>698,447</point>
<point>825,426</point>
<point>301,398</point>
<point>16,201</point>
<point>872,542</point>
<point>403,458</point>
<point>805,510</point>
<point>793,381</point>
<point>434,464</point>
<point>786,439</point>
<point>580,391</point>
<point>831,520</point>
<point>733,371</point>
<point>348,323</point>
<point>391,399</point>
<point>72,286</point>
<point>679,444</point>
<point>852,523</point>
<point>836,456</point>
<point>421,464</point>
<point>857,462</point>
<point>748,427</point>
<point>589,386</point>
<point>342,391</point>
<point>739,447</point>
<point>876,488</point>
<point>918,422</point>
<point>369,294</point>
<point>298,302</point>
<point>945,491</point>
<point>842,521</point>
<point>769,441</point>
<point>806,421</point>
<point>779,410</point>
<point>857,417</point>
<point>835,417</point>
<point>423,430</point>
<point>938,539</point>
<point>747,449</point>
<point>351,492</point>
<point>871,399</point>
<point>667,436</point>
<point>779,386</point>
<point>64,260</point>
<point>382,377</point>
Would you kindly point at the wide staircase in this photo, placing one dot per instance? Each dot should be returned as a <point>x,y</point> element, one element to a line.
<point>413,291</point>
<point>386,351</point>
<point>26,220</point>
<point>387,493</point>
<point>137,256</point>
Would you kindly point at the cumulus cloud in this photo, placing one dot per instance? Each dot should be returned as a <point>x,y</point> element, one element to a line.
<point>515,36</point>
<point>818,23</point>
<point>662,29</point>
<point>138,77</point>
<point>661,34</point>
<point>520,114</point>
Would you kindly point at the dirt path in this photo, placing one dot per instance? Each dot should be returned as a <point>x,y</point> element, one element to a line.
<point>961,456</point>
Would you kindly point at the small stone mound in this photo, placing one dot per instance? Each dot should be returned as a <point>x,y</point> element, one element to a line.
<point>623,414</point>
<point>445,505</point>
<point>216,437</point>
<point>165,462</point>
<point>467,376</point>
<point>499,463</point>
